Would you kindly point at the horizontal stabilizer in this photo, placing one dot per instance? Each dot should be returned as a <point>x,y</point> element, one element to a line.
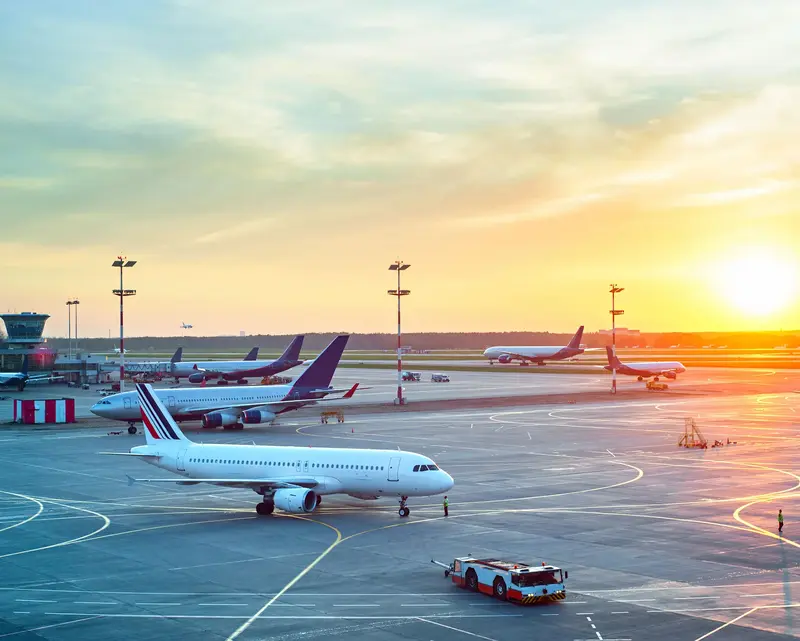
<point>130,454</point>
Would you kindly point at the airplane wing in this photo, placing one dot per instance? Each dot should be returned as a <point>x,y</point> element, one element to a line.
<point>273,484</point>
<point>303,401</point>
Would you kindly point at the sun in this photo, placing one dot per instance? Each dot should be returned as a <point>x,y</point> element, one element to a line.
<point>758,282</point>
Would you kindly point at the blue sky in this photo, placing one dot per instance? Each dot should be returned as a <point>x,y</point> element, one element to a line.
<point>265,160</point>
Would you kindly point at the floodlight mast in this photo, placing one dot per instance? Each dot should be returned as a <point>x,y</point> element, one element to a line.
<point>614,313</point>
<point>399,266</point>
<point>122,262</point>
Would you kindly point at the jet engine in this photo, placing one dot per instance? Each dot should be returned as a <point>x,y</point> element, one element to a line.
<point>257,416</point>
<point>504,358</point>
<point>198,377</point>
<point>295,500</point>
<point>219,419</point>
<point>671,375</point>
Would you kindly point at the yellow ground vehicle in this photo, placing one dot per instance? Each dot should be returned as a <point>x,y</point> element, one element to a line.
<point>655,386</point>
<point>338,415</point>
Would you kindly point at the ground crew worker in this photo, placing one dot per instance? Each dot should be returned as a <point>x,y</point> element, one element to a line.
<point>780,520</point>
<point>445,505</point>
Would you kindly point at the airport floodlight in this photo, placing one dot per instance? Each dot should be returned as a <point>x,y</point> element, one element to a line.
<point>614,313</point>
<point>399,266</point>
<point>122,262</point>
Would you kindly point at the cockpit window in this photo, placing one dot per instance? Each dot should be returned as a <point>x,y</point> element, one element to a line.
<point>416,468</point>
<point>432,467</point>
<point>423,468</point>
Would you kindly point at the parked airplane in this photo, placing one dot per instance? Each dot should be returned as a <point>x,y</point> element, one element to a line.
<point>537,355</point>
<point>667,369</point>
<point>22,378</point>
<point>231,408</point>
<point>155,366</point>
<point>293,479</point>
<point>224,371</point>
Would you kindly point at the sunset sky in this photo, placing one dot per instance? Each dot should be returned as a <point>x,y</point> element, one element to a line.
<point>265,162</point>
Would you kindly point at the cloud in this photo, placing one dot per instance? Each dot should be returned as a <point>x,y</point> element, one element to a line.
<point>235,231</point>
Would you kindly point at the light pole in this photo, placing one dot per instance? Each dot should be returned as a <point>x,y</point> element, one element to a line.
<point>122,262</point>
<point>75,304</point>
<point>399,266</point>
<point>614,313</point>
<point>69,329</point>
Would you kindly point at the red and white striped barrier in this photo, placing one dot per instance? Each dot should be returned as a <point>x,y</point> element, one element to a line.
<point>56,410</point>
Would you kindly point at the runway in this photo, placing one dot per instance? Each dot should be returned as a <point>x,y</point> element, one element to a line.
<point>660,542</point>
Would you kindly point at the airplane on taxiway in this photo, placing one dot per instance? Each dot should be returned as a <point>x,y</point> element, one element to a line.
<point>538,355</point>
<point>292,479</point>
<point>22,378</point>
<point>232,407</point>
<point>667,369</point>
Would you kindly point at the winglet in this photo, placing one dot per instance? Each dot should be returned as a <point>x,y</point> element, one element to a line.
<point>351,391</point>
<point>251,355</point>
<point>131,480</point>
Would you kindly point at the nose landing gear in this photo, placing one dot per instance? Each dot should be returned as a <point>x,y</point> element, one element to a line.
<point>403,511</point>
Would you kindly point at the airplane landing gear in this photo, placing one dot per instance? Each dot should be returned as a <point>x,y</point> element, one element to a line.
<point>266,507</point>
<point>132,428</point>
<point>403,511</point>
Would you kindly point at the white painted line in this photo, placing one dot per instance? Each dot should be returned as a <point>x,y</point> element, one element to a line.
<point>95,603</point>
<point>356,605</point>
<point>549,615</point>
<point>53,625</point>
<point>589,619</point>
<point>620,613</point>
<point>692,598</point>
<point>636,600</point>
<point>442,625</point>
<point>585,613</point>
<point>21,612</point>
<point>152,604</point>
<point>222,604</point>
<point>280,617</point>
<point>741,595</point>
<point>529,436</point>
<point>598,635</point>
<point>424,605</point>
<point>35,601</point>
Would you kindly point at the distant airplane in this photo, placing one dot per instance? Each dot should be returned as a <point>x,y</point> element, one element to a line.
<point>292,479</point>
<point>224,371</point>
<point>186,325</point>
<point>22,378</point>
<point>116,350</point>
<point>232,408</point>
<point>537,355</point>
<point>667,369</point>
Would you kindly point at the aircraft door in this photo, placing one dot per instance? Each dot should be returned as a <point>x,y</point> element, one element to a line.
<point>297,466</point>
<point>170,403</point>
<point>179,461</point>
<point>305,466</point>
<point>126,403</point>
<point>394,468</point>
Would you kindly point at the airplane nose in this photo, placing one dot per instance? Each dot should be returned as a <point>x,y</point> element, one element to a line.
<point>97,409</point>
<point>447,482</point>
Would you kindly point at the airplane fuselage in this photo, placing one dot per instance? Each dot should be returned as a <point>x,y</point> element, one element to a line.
<point>186,404</point>
<point>531,353</point>
<point>646,370</point>
<point>233,370</point>
<point>357,472</point>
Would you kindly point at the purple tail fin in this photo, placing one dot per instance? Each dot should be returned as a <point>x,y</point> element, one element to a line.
<point>613,361</point>
<point>177,356</point>
<point>251,355</point>
<point>575,343</point>
<point>292,353</point>
<point>320,373</point>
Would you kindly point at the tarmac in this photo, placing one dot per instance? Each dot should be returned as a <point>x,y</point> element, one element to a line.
<point>661,542</point>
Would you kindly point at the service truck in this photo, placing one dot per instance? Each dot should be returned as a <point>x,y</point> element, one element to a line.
<point>508,580</point>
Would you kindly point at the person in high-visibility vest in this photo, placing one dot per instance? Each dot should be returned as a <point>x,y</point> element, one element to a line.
<point>445,505</point>
<point>780,520</point>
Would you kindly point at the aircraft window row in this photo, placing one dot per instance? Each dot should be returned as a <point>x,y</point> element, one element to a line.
<point>424,468</point>
<point>286,464</point>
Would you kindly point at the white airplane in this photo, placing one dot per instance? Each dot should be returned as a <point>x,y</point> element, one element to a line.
<point>231,408</point>
<point>186,325</point>
<point>293,479</point>
<point>22,378</point>
<point>538,355</point>
<point>224,371</point>
<point>116,350</point>
<point>667,369</point>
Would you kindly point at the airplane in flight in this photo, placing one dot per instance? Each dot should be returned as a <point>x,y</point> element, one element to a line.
<point>538,355</point>
<point>292,479</point>
<point>667,369</point>
<point>224,371</point>
<point>22,378</point>
<point>186,325</point>
<point>116,350</point>
<point>232,408</point>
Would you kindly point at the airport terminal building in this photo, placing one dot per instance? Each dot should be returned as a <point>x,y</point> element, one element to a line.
<point>23,336</point>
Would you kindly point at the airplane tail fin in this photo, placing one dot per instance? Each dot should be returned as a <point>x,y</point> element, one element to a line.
<point>177,356</point>
<point>320,373</point>
<point>251,355</point>
<point>575,343</point>
<point>24,369</point>
<point>159,426</point>
<point>613,361</point>
<point>292,353</point>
